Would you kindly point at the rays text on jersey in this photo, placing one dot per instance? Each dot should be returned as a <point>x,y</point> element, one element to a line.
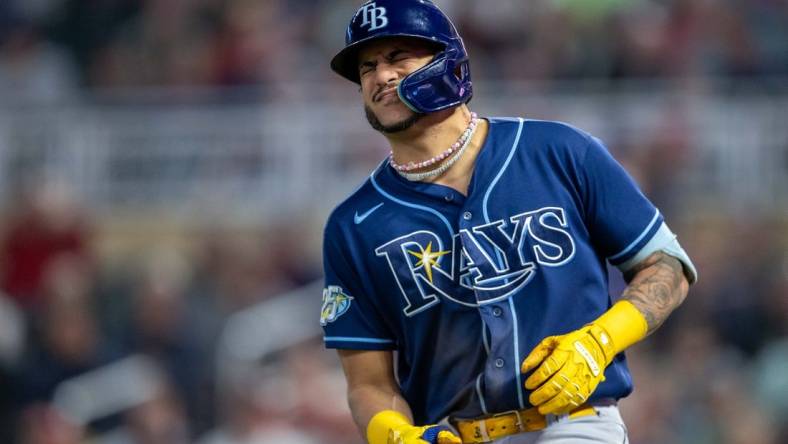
<point>484,264</point>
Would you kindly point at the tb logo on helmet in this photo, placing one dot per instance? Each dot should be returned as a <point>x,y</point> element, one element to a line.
<point>373,16</point>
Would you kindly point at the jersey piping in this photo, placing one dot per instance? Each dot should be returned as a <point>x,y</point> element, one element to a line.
<point>353,339</point>
<point>408,204</point>
<point>638,239</point>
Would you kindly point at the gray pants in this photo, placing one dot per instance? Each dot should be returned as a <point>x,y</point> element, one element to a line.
<point>604,427</point>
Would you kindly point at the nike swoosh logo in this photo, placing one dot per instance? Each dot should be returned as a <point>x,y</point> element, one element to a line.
<point>360,218</point>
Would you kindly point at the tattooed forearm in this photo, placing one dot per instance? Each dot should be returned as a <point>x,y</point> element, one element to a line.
<point>656,287</point>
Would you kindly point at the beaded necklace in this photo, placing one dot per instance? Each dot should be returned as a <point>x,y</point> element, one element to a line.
<point>455,152</point>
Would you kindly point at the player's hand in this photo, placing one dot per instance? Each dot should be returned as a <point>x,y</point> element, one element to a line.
<point>392,427</point>
<point>572,366</point>
<point>433,434</point>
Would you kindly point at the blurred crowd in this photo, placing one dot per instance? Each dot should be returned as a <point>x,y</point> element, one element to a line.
<point>73,317</point>
<point>51,48</point>
<point>75,321</point>
<point>66,310</point>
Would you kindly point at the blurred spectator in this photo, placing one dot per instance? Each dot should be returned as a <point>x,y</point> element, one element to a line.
<point>159,420</point>
<point>46,224</point>
<point>42,424</point>
<point>85,27</point>
<point>320,391</point>
<point>238,269</point>
<point>260,408</point>
<point>251,36</point>
<point>161,327</point>
<point>734,412</point>
<point>741,309</point>
<point>65,342</point>
<point>34,69</point>
<point>291,262</point>
<point>164,43</point>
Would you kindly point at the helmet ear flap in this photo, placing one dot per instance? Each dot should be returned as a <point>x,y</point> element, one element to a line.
<point>443,83</point>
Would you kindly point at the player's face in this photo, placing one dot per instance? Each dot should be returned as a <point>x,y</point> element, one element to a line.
<point>382,65</point>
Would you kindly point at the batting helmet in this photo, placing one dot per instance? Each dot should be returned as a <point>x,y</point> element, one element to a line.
<point>442,83</point>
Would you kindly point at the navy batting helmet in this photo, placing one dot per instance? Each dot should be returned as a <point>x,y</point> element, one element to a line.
<point>442,83</point>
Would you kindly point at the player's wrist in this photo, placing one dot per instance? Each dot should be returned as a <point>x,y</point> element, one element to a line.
<point>619,328</point>
<point>382,423</point>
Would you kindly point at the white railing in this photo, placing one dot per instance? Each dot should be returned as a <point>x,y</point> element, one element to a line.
<point>279,157</point>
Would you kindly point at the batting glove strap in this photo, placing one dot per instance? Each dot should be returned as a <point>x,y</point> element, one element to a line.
<point>621,326</point>
<point>603,342</point>
<point>440,435</point>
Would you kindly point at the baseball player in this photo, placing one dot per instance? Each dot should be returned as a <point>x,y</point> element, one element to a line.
<point>466,283</point>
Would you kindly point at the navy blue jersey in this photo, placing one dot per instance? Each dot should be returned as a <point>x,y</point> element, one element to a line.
<point>463,287</point>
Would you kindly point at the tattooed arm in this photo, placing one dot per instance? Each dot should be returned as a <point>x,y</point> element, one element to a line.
<point>657,285</point>
<point>566,367</point>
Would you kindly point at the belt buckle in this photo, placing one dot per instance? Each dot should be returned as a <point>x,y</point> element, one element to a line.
<point>520,424</point>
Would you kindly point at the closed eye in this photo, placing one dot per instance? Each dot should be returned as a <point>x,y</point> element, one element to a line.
<point>394,56</point>
<point>366,67</point>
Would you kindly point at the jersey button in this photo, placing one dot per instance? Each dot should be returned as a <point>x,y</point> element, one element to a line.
<point>497,312</point>
<point>448,197</point>
<point>499,363</point>
<point>467,215</point>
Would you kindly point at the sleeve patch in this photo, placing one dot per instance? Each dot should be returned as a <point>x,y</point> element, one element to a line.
<point>335,303</point>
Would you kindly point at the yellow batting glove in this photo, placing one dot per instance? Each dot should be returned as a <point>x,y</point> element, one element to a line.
<point>392,427</point>
<point>572,365</point>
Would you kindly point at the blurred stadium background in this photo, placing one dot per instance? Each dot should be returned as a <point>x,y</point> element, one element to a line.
<point>166,167</point>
